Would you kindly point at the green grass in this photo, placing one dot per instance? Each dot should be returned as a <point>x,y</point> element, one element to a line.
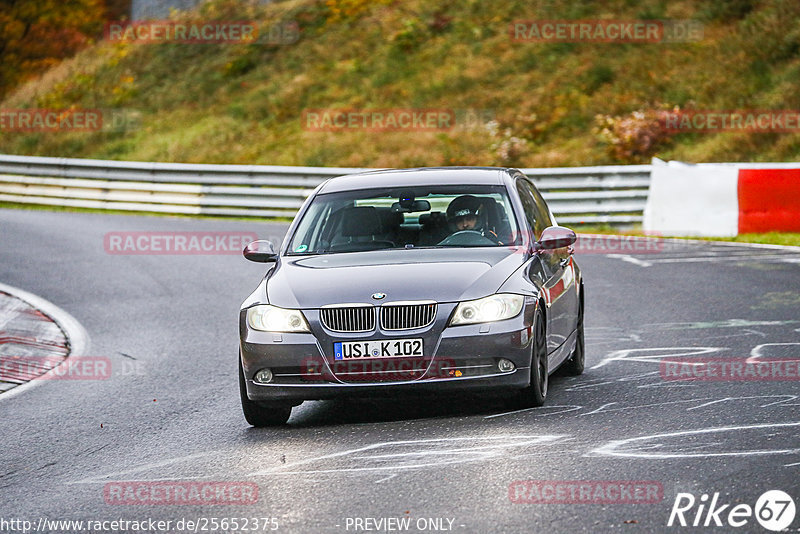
<point>243,103</point>
<point>770,238</point>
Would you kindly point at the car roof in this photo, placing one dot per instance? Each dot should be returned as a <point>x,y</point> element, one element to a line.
<point>419,176</point>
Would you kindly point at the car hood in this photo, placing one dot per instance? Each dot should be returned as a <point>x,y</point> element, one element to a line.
<point>443,275</point>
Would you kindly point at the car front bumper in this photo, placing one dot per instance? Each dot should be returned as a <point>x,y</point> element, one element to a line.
<point>461,358</point>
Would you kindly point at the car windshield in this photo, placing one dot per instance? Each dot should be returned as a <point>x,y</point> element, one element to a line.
<point>406,218</point>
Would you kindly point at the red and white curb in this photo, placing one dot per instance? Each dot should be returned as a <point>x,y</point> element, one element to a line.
<point>33,329</point>
<point>722,199</point>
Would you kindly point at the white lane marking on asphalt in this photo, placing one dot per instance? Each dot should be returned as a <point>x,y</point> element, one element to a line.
<point>598,410</point>
<point>614,330</point>
<point>101,479</point>
<point>662,384</point>
<point>783,400</point>
<point>743,333</point>
<point>496,447</point>
<point>710,403</point>
<point>386,478</point>
<point>757,351</point>
<point>666,403</point>
<point>751,259</point>
<point>791,248</point>
<point>630,259</point>
<point>657,404</point>
<point>625,354</point>
<point>727,323</point>
<point>617,447</point>
<point>570,408</point>
<point>754,332</point>
<point>790,465</point>
<point>678,254</point>
<point>601,335</point>
<point>638,376</point>
<point>589,384</point>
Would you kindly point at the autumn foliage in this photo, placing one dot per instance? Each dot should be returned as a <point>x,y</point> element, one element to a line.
<point>35,35</point>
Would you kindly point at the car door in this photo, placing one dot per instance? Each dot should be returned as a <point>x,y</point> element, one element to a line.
<point>559,283</point>
<point>564,258</point>
<point>538,221</point>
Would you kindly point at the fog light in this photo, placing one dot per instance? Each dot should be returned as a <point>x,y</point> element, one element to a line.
<point>505,366</point>
<point>264,376</point>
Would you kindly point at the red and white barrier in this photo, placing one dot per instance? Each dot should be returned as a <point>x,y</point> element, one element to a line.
<point>722,199</point>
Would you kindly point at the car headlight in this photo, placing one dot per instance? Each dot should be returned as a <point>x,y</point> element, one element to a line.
<point>488,309</point>
<point>273,319</point>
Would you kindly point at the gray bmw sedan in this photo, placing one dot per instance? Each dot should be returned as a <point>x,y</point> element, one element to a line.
<point>407,281</point>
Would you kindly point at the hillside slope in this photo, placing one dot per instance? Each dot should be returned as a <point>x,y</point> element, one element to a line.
<point>548,102</point>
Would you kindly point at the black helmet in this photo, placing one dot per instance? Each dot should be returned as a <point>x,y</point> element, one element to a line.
<point>463,206</point>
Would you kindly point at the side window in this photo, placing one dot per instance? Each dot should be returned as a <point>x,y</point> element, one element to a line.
<point>544,211</point>
<point>529,205</point>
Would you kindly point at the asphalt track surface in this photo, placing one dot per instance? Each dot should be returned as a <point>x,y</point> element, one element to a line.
<point>174,414</point>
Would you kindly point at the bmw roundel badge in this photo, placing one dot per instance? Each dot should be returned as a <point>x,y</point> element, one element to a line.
<point>379,296</point>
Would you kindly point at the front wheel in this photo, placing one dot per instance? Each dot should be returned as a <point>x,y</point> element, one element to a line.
<point>262,413</point>
<point>536,393</point>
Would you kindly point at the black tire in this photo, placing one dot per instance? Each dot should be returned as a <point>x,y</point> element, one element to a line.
<point>574,366</point>
<point>262,413</point>
<point>536,393</point>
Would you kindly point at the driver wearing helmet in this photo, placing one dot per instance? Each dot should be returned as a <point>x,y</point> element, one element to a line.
<point>467,213</point>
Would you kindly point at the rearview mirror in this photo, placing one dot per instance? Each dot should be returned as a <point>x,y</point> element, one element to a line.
<point>410,206</point>
<point>556,237</point>
<point>260,251</point>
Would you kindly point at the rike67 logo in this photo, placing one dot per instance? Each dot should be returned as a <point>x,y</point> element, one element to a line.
<point>774,510</point>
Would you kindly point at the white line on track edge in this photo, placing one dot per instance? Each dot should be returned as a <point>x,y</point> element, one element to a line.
<point>76,335</point>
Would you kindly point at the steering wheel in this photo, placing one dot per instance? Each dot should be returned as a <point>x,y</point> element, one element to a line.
<point>466,237</point>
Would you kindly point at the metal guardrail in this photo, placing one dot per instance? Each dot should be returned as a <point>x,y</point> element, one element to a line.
<point>576,195</point>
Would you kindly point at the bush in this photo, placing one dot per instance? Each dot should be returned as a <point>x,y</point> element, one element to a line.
<point>508,149</point>
<point>634,138</point>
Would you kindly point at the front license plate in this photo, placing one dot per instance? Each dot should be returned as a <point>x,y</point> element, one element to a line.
<point>392,348</point>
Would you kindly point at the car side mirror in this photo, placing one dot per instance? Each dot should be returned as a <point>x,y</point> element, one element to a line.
<point>260,251</point>
<point>556,237</point>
